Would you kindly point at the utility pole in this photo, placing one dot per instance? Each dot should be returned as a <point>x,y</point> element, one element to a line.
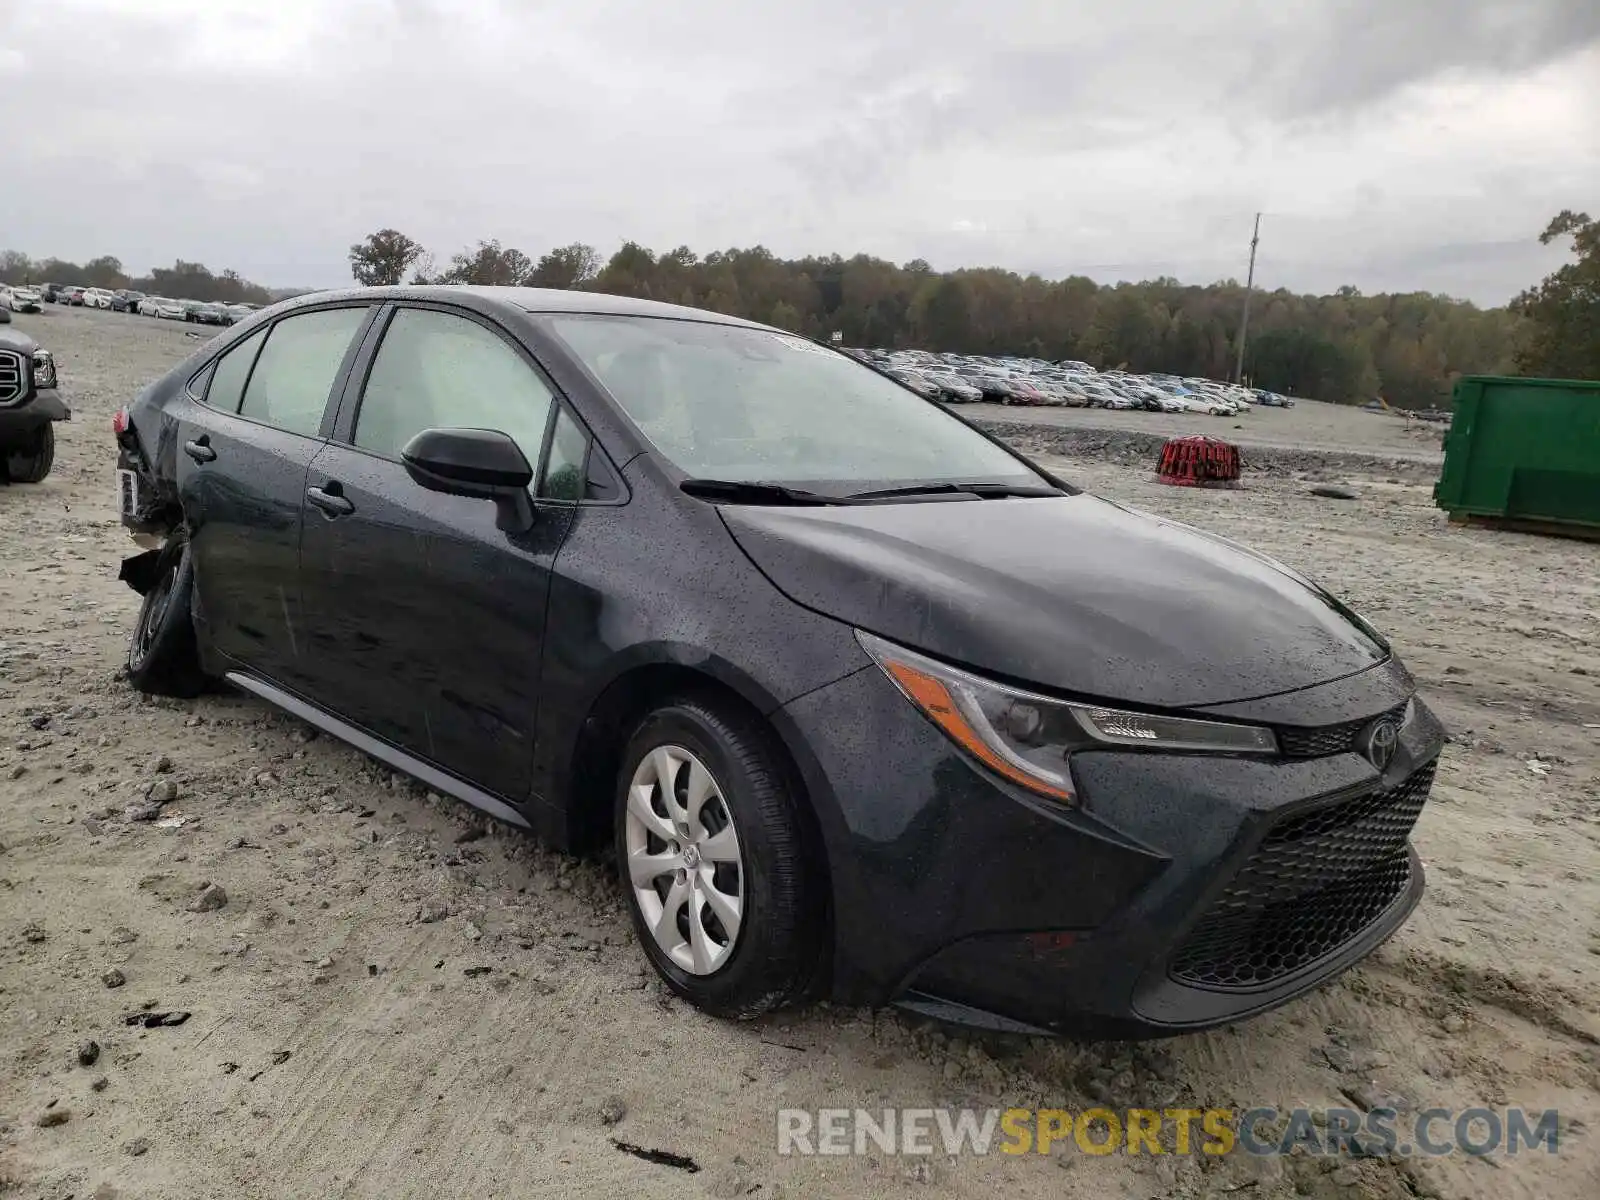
<point>1249,283</point>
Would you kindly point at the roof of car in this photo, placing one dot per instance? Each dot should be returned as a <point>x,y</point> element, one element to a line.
<point>534,300</point>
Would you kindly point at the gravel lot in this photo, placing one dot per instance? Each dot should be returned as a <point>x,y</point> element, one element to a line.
<point>1310,424</point>
<point>398,999</point>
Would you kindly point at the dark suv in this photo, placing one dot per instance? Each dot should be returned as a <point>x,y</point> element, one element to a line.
<point>860,702</point>
<point>29,403</point>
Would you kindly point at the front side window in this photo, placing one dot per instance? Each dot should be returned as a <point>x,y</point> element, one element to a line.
<point>750,405</point>
<point>296,368</point>
<point>436,370</point>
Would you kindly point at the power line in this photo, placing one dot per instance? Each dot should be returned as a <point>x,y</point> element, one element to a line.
<point>1249,284</point>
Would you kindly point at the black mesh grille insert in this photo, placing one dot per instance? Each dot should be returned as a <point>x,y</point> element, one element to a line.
<point>1315,882</point>
<point>1329,739</point>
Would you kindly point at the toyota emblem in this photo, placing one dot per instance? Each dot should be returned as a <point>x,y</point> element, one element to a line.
<point>1380,742</point>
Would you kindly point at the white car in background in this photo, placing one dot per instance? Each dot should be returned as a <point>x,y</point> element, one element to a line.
<point>170,310</point>
<point>96,298</point>
<point>21,299</point>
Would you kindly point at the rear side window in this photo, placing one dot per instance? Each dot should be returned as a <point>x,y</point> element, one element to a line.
<point>232,369</point>
<point>435,370</point>
<point>296,369</point>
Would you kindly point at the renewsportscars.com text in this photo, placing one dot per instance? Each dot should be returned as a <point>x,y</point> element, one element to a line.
<point>1431,1132</point>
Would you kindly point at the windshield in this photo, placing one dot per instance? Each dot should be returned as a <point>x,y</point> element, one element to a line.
<point>734,403</point>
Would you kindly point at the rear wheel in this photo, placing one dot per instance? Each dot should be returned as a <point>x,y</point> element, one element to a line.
<point>162,656</point>
<point>32,462</point>
<point>712,852</point>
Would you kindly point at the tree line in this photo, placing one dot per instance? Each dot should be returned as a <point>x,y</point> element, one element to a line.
<point>182,280</point>
<point>1346,347</point>
<point>1562,314</point>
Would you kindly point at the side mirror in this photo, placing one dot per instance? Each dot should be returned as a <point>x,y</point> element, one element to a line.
<point>474,462</point>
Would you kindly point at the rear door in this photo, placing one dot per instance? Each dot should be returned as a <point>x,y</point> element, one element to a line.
<point>258,417</point>
<point>427,620</point>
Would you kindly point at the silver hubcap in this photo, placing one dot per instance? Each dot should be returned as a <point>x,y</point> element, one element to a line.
<point>684,862</point>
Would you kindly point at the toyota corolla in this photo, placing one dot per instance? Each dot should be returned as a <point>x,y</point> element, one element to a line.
<point>862,703</point>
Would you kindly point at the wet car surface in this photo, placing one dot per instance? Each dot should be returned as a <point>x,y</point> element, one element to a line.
<point>865,704</point>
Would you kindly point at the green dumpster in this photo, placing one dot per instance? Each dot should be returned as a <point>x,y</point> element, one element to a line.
<point>1524,452</point>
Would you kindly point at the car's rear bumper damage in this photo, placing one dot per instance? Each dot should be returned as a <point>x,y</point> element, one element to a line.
<point>140,571</point>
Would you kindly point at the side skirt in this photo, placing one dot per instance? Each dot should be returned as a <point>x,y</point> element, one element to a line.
<point>440,781</point>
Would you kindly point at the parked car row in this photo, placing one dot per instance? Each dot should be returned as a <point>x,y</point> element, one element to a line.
<point>968,378</point>
<point>198,312</point>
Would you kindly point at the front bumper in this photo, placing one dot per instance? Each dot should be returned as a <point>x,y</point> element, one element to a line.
<point>960,896</point>
<point>45,406</point>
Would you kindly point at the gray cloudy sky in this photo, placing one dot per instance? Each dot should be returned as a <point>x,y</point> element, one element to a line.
<point>1393,144</point>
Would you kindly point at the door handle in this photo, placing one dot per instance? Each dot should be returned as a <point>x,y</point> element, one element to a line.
<point>200,449</point>
<point>334,502</point>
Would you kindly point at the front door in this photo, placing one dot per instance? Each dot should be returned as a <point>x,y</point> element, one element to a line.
<point>426,620</point>
<point>244,448</point>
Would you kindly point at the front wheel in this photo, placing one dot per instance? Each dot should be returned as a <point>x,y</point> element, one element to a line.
<point>713,855</point>
<point>162,656</point>
<point>32,462</point>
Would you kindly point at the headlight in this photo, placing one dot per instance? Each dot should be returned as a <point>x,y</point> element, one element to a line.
<point>1028,738</point>
<point>44,369</point>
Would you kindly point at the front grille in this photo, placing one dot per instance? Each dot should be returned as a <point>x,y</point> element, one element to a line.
<point>1315,882</point>
<point>1329,739</point>
<point>13,377</point>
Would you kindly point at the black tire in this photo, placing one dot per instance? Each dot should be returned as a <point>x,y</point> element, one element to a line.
<point>162,656</point>
<point>776,954</point>
<point>32,463</point>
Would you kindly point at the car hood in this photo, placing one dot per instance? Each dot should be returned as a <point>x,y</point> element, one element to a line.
<point>15,339</point>
<point>1074,594</point>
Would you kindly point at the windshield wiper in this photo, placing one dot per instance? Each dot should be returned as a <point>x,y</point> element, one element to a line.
<point>744,491</point>
<point>987,491</point>
<point>740,491</point>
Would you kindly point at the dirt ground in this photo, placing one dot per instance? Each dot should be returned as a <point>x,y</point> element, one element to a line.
<point>1310,424</point>
<point>399,999</point>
